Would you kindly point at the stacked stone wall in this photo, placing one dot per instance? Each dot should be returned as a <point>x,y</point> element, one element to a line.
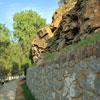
<point>72,80</point>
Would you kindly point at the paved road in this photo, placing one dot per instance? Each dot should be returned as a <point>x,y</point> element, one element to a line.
<point>8,91</point>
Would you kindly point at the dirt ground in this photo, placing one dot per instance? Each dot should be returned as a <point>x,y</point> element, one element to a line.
<point>19,92</point>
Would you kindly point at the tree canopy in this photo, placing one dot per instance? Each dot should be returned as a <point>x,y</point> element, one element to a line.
<point>4,45</point>
<point>26,24</point>
<point>15,56</point>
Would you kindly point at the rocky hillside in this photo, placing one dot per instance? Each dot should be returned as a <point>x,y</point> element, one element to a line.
<point>72,22</point>
<point>39,44</point>
<point>80,21</point>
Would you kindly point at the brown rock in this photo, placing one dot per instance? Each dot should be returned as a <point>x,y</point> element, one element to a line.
<point>71,23</point>
<point>57,16</point>
<point>80,21</point>
<point>39,43</point>
<point>45,32</point>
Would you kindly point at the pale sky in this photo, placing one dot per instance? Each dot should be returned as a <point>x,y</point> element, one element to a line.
<point>45,8</point>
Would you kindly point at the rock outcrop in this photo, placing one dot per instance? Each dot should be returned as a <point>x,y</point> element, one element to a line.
<point>57,16</point>
<point>72,22</point>
<point>39,43</point>
<point>80,21</point>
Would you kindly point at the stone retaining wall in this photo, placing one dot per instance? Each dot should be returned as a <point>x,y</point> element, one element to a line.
<point>73,80</point>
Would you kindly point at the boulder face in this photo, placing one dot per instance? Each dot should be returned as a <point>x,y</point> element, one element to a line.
<point>39,43</point>
<point>80,21</point>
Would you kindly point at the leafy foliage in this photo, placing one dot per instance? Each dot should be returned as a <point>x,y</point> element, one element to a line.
<point>4,43</point>
<point>15,55</point>
<point>26,24</point>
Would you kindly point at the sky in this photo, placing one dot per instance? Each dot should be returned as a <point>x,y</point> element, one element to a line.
<point>45,8</point>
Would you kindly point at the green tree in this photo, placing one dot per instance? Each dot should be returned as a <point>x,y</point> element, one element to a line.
<point>4,45</point>
<point>14,55</point>
<point>26,24</point>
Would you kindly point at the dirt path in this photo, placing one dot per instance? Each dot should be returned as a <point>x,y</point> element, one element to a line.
<point>8,91</point>
<point>19,92</point>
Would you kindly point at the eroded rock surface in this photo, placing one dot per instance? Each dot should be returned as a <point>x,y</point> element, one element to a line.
<point>80,21</point>
<point>39,43</point>
<point>72,22</point>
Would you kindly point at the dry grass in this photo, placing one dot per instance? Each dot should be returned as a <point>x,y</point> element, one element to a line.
<point>83,49</point>
<point>86,51</point>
